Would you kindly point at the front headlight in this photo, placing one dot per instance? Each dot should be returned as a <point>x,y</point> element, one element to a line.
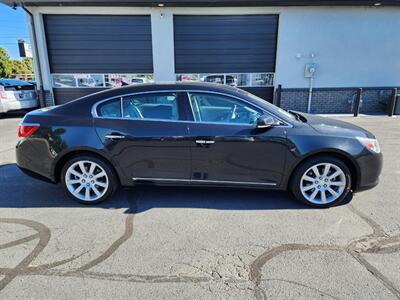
<point>370,144</point>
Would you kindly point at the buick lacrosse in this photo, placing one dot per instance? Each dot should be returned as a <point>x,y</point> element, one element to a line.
<point>194,134</point>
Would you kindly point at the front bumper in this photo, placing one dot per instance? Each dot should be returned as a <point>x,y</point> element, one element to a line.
<point>370,167</point>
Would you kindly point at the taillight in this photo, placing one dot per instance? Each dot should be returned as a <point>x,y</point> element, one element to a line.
<point>2,92</point>
<point>26,130</point>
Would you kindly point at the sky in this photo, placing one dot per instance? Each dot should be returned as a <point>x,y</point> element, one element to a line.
<point>13,26</point>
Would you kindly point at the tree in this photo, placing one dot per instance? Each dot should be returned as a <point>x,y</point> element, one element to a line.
<point>12,67</point>
<point>5,64</point>
<point>28,63</point>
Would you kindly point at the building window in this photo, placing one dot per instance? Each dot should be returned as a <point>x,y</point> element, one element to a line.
<point>232,79</point>
<point>98,80</point>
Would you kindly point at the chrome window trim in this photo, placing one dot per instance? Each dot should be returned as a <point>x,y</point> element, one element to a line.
<point>203,181</point>
<point>95,115</point>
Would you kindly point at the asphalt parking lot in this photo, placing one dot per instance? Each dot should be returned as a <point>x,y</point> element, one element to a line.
<point>163,243</point>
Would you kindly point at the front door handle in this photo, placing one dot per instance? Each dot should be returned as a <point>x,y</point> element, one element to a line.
<point>204,142</point>
<point>114,136</point>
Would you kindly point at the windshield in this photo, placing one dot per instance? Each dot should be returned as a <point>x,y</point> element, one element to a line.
<point>268,106</point>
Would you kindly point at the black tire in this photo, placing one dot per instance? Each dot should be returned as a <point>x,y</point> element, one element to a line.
<point>305,166</point>
<point>111,176</point>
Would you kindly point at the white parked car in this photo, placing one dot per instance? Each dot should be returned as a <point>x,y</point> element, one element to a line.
<point>17,95</point>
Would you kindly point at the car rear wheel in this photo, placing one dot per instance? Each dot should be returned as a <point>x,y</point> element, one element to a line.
<point>88,179</point>
<point>322,181</point>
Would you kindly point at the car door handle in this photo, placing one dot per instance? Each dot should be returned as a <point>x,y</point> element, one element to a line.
<point>114,137</point>
<point>204,142</point>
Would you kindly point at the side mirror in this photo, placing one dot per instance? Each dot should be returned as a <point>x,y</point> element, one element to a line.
<point>265,121</point>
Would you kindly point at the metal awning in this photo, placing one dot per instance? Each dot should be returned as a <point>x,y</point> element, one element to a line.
<point>221,3</point>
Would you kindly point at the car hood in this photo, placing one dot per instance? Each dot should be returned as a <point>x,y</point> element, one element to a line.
<point>328,126</point>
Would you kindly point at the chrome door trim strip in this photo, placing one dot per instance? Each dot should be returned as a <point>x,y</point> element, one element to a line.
<point>204,181</point>
<point>202,142</point>
<point>113,136</point>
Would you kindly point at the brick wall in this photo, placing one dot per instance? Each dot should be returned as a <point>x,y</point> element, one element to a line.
<point>336,100</point>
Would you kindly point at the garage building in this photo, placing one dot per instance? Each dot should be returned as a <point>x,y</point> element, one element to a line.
<point>319,52</point>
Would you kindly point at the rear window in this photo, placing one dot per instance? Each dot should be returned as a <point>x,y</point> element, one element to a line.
<point>16,85</point>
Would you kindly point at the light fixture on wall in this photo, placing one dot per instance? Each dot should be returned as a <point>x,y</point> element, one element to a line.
<point>160,4</point>
<point>377,4</point>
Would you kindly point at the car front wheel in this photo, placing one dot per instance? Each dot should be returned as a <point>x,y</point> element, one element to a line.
<point>88,179</point>
<point>322,181</point>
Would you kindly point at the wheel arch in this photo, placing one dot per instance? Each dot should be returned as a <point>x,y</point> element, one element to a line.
<point>65,157</point>
<point>350,163</point>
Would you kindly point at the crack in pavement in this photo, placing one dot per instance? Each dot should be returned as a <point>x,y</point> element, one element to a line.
<point>302,285</point>
<point>378,242</point>
<point>44,234</point>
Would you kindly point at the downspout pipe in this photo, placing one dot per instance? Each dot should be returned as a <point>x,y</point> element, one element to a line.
<point>37,60</point>
<point>310,93</point>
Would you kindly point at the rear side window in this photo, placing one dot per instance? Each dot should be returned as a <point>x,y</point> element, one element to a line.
<point>110,109</point>
<point>161,106</point>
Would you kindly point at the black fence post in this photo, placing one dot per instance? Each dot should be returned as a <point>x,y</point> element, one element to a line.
<point>278,95</point>
<point>358,101</point>
<point>392,104</point>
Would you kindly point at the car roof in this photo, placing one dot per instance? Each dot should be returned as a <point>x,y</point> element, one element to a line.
<point>82,106</point>
<point>12,82</point>
<point>157,87</point>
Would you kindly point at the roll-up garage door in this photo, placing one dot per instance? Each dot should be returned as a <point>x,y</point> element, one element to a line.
<point>235,50</point>
<point>84,50</point>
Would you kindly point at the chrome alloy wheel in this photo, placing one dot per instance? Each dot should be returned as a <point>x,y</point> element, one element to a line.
<point>86,180</point>
<point>323,183</point>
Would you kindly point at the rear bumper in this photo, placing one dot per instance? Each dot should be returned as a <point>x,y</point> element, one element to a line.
<point>27,154</point>
<point>7,105</point>
<point>370,166</point>
<point>35,175</point>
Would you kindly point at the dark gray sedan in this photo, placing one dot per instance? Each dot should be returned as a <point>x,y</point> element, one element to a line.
<point>195,134</point>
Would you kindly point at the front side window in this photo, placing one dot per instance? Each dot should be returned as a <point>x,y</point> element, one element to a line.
<point>161,106</point>
<point>222,109</point>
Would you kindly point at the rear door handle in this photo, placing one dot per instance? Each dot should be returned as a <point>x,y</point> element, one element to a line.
<point>204,142</point>
<point>114,136</point>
